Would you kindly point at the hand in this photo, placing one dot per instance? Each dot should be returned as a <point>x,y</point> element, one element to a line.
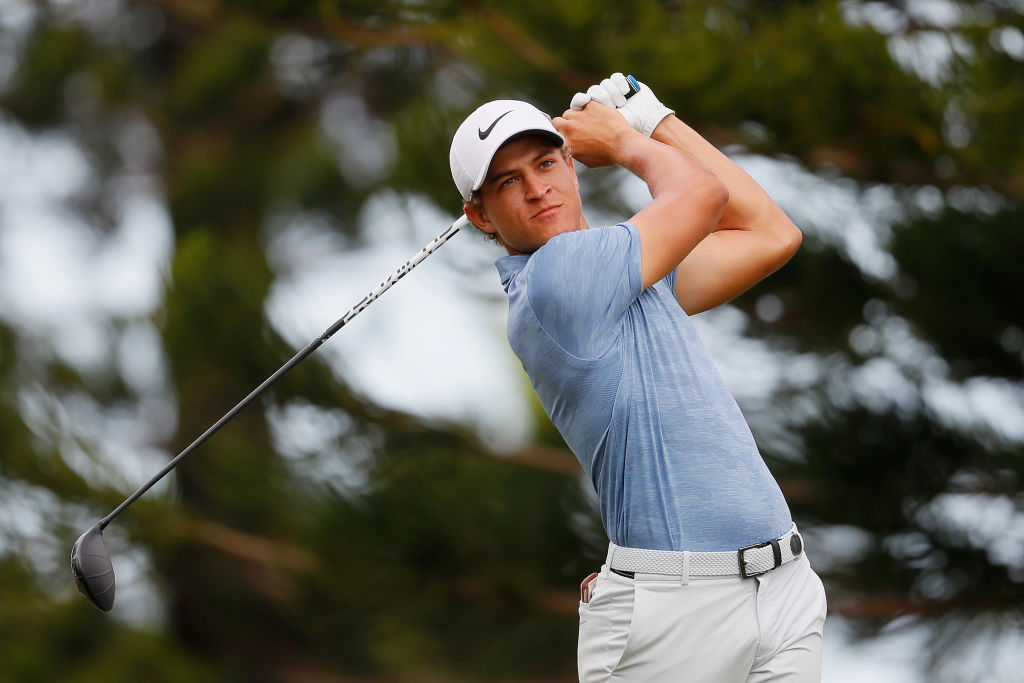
<point>642,111</point>
<point>596,135</point>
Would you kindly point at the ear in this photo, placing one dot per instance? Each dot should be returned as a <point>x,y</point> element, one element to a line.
<point>572,168</point>
<point>478,216</point>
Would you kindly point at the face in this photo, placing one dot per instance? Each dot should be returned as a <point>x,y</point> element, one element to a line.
<point>530,194</point>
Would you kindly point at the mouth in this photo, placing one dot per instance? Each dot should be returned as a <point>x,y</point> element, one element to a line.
<point>547,212</point>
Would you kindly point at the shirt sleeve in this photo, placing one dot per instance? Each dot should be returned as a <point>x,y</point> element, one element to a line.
<point>581,283</point>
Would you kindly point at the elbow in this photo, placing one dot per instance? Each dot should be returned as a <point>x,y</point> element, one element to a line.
<point>792,239</point>
<point>719,194</point>
<point>715,195</point>
<point>788,240</point>
<point>721,197</point>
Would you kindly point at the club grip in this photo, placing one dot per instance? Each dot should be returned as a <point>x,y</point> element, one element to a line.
<point>634,86</point>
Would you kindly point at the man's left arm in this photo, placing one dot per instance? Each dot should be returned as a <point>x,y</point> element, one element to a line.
<point>754,237</point>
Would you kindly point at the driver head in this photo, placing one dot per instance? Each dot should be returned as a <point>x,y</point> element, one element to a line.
<point>94,574</point>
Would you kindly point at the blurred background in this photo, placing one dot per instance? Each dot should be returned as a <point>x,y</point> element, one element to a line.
<point>190,190</point>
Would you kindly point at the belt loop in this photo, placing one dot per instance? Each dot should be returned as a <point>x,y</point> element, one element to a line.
<point>685,574</point>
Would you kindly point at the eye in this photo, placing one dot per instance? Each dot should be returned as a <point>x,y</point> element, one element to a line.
<point>546,163</point>
<point>508,181</point>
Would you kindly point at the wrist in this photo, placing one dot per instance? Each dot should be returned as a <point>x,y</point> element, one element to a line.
<point>670,131</point>
<point>635,152</point>
<point>654,121</point>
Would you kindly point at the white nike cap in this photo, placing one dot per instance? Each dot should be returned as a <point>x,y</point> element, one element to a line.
<point>488,128</point>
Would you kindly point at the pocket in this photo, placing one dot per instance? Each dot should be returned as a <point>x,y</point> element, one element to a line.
<point>643,625</point>
<point>605,626</point>
<point>629,623</point>
<point>817,600</point>
<point>802,599</point>
<point>823,595</point>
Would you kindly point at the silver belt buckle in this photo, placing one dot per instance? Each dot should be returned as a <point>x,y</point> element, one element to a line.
<point>776,552</point>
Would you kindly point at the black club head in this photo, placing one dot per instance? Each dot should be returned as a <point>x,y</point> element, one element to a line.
<point>94,574</point>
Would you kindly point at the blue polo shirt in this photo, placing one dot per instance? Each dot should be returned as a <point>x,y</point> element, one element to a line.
<point>625,379</point>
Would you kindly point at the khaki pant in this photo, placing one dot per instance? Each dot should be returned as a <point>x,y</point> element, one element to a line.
<point>709,630</point>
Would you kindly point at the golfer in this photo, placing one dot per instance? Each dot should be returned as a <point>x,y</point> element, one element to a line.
<point>706,577</point>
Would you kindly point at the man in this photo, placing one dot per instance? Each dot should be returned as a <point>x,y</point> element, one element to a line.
<point>706,578</point>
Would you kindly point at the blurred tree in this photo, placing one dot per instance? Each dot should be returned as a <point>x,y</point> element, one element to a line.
<point>445,562</point>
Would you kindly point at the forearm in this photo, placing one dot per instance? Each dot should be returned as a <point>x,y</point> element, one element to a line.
<point>749,206</point>
<point>664,167</point>
<point>687,205</point>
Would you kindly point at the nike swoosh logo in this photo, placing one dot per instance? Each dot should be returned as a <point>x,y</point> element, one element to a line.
<point>484,133</point>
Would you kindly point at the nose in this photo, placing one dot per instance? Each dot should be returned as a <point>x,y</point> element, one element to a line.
<point>536,186</point>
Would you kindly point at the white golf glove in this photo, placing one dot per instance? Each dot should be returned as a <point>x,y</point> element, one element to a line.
<point>643,112</point>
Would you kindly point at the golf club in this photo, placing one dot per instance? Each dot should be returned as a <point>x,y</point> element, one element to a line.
<point>90,561</point>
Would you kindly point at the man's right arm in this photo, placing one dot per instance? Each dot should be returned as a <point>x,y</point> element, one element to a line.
<point>688,199</point>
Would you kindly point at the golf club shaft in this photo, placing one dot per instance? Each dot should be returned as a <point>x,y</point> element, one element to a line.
<point>295,360</point>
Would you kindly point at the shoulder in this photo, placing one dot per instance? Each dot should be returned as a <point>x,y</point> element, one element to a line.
<point>578,248</point>
<point>583,256</point>
<point>579,285</point>
<point>604,234</point>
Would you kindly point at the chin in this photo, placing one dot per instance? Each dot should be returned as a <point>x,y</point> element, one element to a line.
<point>566,225</point>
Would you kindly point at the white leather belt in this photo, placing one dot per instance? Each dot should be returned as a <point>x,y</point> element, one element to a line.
<point>752,560</point>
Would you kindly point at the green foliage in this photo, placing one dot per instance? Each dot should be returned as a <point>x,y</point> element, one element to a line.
<point>217,69</point>
<point>974,341</point>
<point>473,578</point>
<point>52,54</point>
<point>47,641</point>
